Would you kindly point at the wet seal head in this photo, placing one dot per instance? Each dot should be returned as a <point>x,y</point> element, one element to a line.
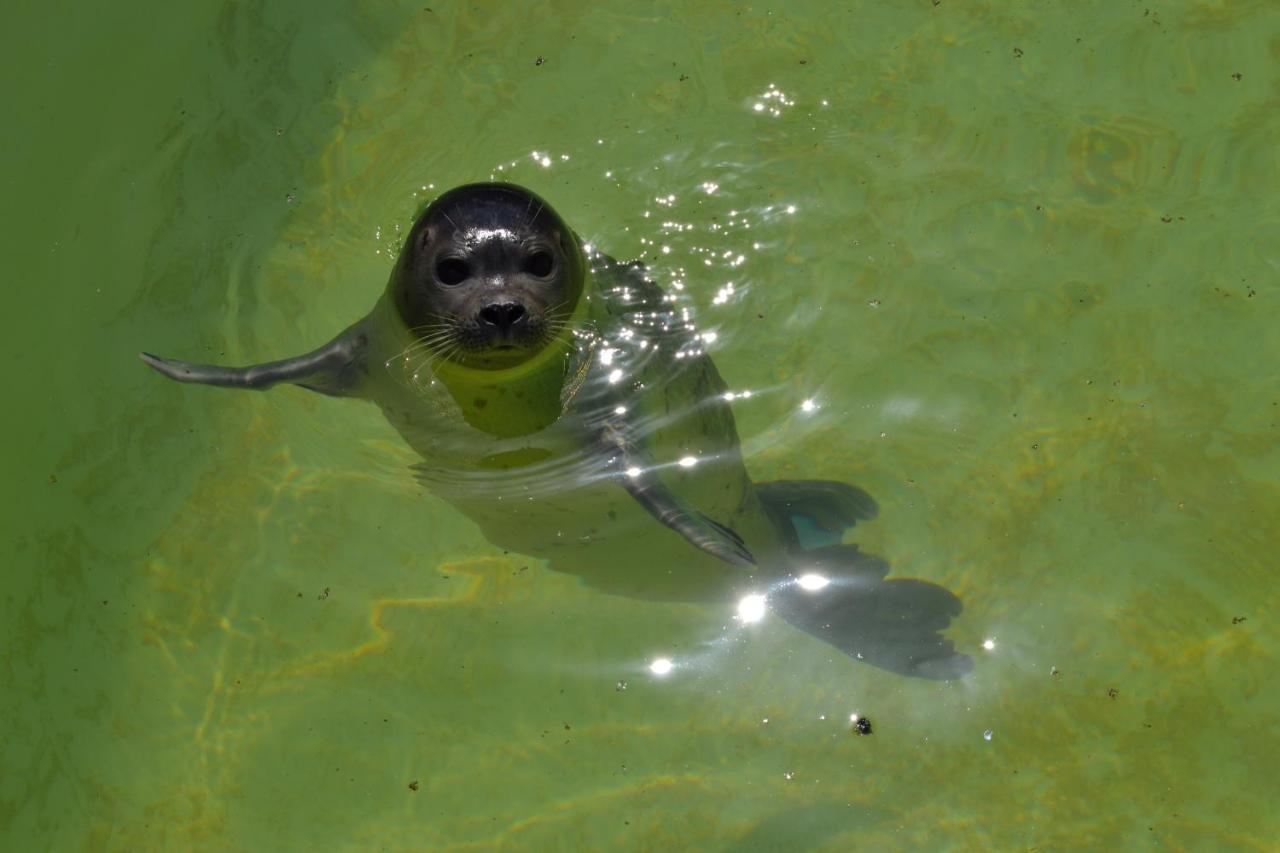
<point>489,276</point>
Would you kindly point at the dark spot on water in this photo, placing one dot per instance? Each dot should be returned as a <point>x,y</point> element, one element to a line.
<point>53,479</point>
<point>539,61</point>
<point>1237,76</point>
<point>613,515</point>
<point>1113,693</point>
<point>1236,620</point>
<point>413,786</point>
<point>1017,51</point>
<point>862,726</point>
<point>322,596</point>
<point>479,402</point>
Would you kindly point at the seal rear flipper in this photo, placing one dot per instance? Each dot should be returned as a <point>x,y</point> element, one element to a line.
<point>814,513</point>
<point>892,624</point>
<point>335,369</point>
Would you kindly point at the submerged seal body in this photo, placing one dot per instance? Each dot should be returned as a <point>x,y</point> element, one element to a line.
<point>560,400</point>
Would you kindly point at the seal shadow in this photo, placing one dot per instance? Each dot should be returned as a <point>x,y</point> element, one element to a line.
<point>821,585</point>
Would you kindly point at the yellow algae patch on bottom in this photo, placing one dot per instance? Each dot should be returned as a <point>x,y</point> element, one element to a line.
<point>483,582</point>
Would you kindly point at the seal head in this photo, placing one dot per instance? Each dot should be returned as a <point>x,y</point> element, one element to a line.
<point>489,276</point>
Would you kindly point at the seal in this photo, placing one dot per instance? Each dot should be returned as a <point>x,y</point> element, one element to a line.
<point>560,400</point>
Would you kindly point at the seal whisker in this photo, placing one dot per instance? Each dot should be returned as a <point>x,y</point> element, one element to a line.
<point>429,348</point>
<point>421,344</point>
<point>437,334</point>
<point>434,339</point>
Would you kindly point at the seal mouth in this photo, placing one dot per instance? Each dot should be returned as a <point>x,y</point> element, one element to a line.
<point>473,340</point>
<point>476,345</point>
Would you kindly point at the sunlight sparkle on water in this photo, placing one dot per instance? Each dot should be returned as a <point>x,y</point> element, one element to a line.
<point>661,666</point>
<point>751,608</point>
<point>812,582</point>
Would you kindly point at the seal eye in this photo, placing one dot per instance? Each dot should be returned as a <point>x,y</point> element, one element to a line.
<point>539,264</point>
<point>452,271</point>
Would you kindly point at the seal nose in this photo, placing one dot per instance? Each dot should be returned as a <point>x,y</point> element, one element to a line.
<point>503,315</point>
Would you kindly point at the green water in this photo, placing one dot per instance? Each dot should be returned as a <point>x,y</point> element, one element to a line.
<point>1023,258</point>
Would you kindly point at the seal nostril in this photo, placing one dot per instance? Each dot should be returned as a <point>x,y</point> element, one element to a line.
<point>504,315</point>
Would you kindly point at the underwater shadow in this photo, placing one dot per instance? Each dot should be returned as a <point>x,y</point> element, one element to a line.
<point>817,583</point>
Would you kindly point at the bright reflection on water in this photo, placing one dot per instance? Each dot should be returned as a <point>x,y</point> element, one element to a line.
<point>752,608</point>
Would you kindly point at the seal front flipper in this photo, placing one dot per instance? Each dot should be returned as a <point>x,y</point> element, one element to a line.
<point>650,492</point>
<point>702,531</point>
<point>336,369</point>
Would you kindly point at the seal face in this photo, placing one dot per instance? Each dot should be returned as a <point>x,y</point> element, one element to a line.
<point>490,276</point>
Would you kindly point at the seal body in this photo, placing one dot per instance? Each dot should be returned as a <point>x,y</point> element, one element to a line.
<point>634,397</point>
<point>561,401</point>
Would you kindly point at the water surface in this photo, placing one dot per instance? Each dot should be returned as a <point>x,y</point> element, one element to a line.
<point>1021,262</point>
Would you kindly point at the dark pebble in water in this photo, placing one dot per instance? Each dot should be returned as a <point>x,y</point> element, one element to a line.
<point>862,726</point>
